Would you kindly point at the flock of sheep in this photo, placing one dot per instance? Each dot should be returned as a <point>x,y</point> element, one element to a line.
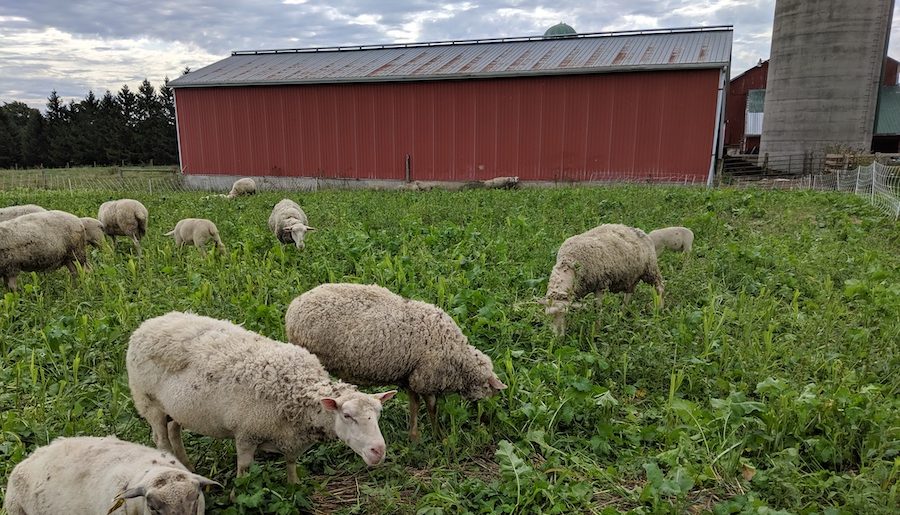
<point>282,398</point>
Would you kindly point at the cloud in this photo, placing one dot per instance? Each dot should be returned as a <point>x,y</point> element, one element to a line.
<point>98,44</point>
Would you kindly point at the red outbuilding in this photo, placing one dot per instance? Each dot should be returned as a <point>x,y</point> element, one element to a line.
<point>628,105</point>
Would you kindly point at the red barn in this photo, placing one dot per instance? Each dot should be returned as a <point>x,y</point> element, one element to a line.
<point>584,107</point>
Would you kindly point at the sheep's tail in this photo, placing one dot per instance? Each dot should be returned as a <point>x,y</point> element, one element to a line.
<point>169,233</point>
<point>141,225</point>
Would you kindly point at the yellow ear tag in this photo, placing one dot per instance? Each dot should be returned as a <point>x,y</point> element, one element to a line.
<point>117,505</point>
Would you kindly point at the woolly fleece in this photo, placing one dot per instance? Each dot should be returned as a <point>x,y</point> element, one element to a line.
<point>40,242</point>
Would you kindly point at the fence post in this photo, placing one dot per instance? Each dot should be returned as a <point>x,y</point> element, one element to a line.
<point>873,183</point>
<point>150,185</point>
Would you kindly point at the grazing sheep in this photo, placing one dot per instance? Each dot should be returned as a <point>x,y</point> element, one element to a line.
<point>246,186</point>
<point>93,231</point>
<point>366,334</point>
<point>8,213</point>
<point>103,475</point>
<point>41,242</point>
<point>124,217</point>
<point>502,183</point>
<point>197,232</point>
<point>288,222</point>
<point>673,238</point>
<point>221,380</point>
<point>416,186</point>
<point>610,257</point>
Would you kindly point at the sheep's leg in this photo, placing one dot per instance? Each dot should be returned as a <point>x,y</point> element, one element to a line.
<point>598,301</point>
<point>137,244</point>
<point>73,271</point>
<point>178,444</point>
<point>413,415</point>
<point>245,451</point>
<point>431,405</point>
<point>11,282</point>
<point>158,421</point>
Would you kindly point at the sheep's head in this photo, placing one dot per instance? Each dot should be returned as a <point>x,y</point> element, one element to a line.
<point>356,422</point>
<point>484,382</point>
<point>297,233</point>
<point>169,492</point>
<point>93,231</point>
<point>556,309</point>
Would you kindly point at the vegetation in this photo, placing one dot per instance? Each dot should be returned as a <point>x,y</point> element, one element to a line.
<point>122,128</point>
<point>768,383</point>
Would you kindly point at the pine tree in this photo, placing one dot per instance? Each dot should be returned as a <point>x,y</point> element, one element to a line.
<point>127,136</point>
<point>109,118</point>
<point>149,114</point>
<point>9,146</point>
<point>87,148</point>
<point>168,145</point>
<point>34,141</point>
<point>59,147</point>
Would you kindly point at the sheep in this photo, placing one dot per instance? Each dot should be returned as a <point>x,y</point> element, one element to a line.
<point>103,475</point>
<point>368,335</point>
<point>41,242</point>
<point>218,379</point>
<point>416,186</point>
<point>8,213</point>
<point>197,232</point>
<point>610,257</point>
<point>289,223</point>
<point>502,183</point>
<point>93,231</point>
<point>124,217</point>
<point>246,186</point>
<point>672,238</point>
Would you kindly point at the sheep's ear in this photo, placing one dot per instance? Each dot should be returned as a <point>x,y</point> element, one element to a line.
<point>496,384</point>
<point>138,491</point>
<point>308,228</point>
<point>330,404</point>
<point>204,482</point>
<point>385,396</point>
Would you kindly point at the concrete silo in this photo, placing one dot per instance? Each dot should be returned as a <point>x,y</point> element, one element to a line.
<point>824,72</point>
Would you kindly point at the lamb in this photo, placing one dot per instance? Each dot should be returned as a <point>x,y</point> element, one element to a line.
<point>289,223</point>
<point>221,380</point>
<point>103,475</point>
<point>246,186</point>
<point>41,242</point>
<point>502,183</point>
<point>124,217</point>
<point>366,334</point>
<point>8,213</point>
<point>610,257</point>
<point>672,238</point>
<point>93,231</point>
<point>197,232</point>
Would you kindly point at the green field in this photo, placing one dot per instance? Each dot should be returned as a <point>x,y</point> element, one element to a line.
<point>768,382</point>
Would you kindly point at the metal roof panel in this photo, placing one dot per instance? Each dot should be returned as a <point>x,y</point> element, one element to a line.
<point>706,47</point>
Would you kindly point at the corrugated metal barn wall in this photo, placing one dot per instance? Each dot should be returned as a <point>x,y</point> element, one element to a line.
<point>640,124</point>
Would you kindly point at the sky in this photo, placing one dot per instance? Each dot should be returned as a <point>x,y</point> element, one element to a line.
<point>75,46</point>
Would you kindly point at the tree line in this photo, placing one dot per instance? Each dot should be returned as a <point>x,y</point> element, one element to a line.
<point>127,127</point>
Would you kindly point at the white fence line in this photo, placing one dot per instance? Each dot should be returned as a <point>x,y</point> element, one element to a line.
<point>877,183</point>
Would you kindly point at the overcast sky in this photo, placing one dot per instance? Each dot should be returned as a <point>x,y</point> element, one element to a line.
<point>74,46</point>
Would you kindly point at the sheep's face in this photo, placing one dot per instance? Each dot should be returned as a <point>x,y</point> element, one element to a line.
<point>486,383</point>
<point>356,423</point>
<point>297,233</point>
<point>93,231</point>
<point>171,492</point>
<point>556,309</point>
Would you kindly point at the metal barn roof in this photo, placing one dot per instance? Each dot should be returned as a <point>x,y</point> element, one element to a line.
<point>602,52</point>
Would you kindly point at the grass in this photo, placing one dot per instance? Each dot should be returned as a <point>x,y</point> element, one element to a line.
<point>768,383</point>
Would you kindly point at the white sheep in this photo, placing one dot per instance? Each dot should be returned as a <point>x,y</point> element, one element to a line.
<point>366,334</point>
<point>289,223</point>
<point>197,232</point>
<point>124,217</point>
<point>502,183</point>
<point>41,242</point>
<point>93,231</point>
<point>245,186</point>
<point>611,257</point>
<point>8,213</point>
<point>672,238</point>
<point>103,475</point>
<point>221,380</point>
<point>416,186</point>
